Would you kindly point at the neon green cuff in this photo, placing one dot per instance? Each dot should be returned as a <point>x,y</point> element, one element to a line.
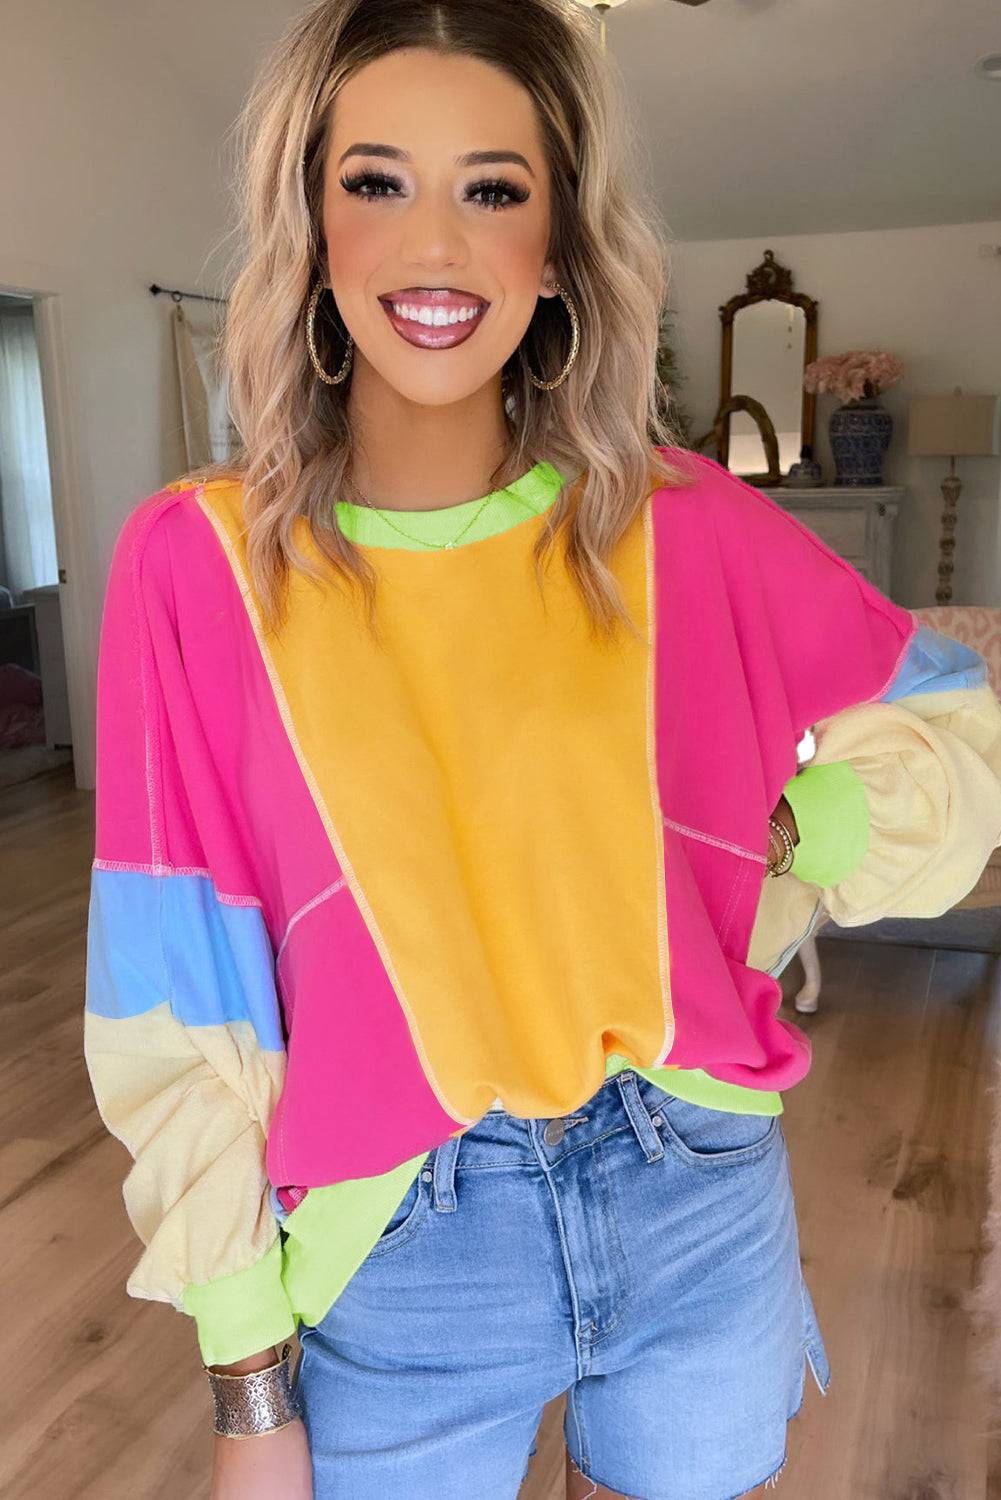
<point>243,1313</point>
<point>831,809</point>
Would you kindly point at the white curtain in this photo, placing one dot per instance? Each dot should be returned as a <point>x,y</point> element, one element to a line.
<point>29,540</point>
<point>209,433</point>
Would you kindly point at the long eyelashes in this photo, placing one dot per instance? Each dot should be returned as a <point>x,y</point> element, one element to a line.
<point>375,185</point>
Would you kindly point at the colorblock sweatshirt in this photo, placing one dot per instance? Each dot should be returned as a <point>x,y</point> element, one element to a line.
<point>486,860</point>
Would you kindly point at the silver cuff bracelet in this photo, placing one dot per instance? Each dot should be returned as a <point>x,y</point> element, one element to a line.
<point>247,1405</point>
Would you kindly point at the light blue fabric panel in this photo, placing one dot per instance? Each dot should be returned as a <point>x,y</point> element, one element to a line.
<point>152,938</point>
<point>126,974</point>
<point>935,663</point>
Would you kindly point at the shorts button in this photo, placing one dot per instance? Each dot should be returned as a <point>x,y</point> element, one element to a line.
<point>554,1132</point>
<point>656,1120</point>
<point>426,1175</point>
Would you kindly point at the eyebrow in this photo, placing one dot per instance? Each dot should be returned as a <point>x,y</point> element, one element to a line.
<point>470,159</point>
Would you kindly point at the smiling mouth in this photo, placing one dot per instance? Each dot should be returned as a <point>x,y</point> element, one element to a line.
<point>434,317</point>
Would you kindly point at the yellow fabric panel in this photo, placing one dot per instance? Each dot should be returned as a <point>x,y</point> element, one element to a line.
<point>192,1104</point>
<point>448,778</point>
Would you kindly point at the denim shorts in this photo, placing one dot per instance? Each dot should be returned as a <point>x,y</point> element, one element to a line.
<point>641,1254</point>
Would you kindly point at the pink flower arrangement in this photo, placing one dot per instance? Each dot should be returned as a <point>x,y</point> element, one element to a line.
<point>860,372</point>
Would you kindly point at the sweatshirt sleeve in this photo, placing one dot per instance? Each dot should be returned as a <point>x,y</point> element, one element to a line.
<point>926,760</point>
<point>183,1035</point>
<point>907,712</point>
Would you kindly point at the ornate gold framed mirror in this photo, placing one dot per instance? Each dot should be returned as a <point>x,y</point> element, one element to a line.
<point>769,336</point>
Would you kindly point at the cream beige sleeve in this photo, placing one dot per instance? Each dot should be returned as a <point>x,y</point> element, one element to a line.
<point>931,766</point>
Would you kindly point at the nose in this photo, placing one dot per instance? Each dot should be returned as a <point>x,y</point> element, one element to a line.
<point>432,235</point>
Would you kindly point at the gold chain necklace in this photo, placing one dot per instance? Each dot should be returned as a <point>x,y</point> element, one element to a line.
<point>437,546</point>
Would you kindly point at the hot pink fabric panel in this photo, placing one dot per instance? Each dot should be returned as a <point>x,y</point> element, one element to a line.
<point>124,832</point>
<point>725,1012</point>
<point>761,631</point>
<point>356,1101</point>
<point>230,797</point>
<point>256,819</point>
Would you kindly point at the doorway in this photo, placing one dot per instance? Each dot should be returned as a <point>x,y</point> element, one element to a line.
<point>35,734</point>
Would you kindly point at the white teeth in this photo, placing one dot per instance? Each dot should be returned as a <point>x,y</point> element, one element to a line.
<point>435,317</point>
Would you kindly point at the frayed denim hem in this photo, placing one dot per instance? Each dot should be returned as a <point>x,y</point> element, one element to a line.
<point>771,1482</point>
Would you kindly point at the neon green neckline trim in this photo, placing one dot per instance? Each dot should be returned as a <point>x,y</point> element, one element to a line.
<point>428,530</point>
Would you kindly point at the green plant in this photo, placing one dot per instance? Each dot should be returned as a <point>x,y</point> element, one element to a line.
<point>670,380</point>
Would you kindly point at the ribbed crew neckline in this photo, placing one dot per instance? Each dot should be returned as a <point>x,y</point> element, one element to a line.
<point>428,530</point>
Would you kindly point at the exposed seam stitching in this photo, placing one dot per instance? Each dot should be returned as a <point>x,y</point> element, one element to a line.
<point>731,904</point>
<point>725,920</point>
<point>653,778</point>
<point>898,664</point>
<point>142,649</point>
<point>142,640</point>
<point>827,551</point>
<point>308,906</point>
<point>137,868</point>
<point>246,591</point>
<point>811,536</point>
<point>709,838</point>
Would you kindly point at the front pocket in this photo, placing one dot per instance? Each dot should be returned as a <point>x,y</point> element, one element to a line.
<point>405,1219</point>
<point>711,1138</point>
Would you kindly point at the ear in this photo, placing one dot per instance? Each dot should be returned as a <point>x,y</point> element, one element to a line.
<point>547,285</point>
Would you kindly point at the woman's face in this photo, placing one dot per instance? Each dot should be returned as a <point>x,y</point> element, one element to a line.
<point>436,220</point>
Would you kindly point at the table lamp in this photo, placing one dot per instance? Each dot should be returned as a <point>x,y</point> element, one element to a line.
<point>959,425</point>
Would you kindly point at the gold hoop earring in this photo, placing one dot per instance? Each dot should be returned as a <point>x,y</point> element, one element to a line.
<point>311,344</point>
<point>550,385</point>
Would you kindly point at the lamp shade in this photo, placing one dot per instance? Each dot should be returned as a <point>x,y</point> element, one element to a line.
<point>954,426</point>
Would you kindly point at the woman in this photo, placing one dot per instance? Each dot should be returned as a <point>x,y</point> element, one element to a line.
<point>433,934</point>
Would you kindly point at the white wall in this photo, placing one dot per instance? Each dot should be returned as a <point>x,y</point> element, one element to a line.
<point>929,297</point>
<point>115,175</point>
<point>111,181</point>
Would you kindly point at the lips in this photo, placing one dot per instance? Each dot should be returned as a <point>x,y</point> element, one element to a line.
<point>434,317</point>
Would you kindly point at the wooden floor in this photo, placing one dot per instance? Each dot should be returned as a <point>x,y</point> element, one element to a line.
<point>103,1396</point>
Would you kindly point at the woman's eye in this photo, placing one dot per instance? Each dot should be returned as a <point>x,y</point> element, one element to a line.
<point>371,184</point>
<point>498,185</point>
<point>491,193</point>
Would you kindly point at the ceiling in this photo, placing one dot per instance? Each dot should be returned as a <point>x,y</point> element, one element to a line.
<point>758,117</point>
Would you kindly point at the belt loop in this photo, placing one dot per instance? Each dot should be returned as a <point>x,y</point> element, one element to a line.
<point>639,1115</point>
<point>443,1191</point>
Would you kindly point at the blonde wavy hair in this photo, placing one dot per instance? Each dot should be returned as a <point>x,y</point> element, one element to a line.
<point>601,429</point>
